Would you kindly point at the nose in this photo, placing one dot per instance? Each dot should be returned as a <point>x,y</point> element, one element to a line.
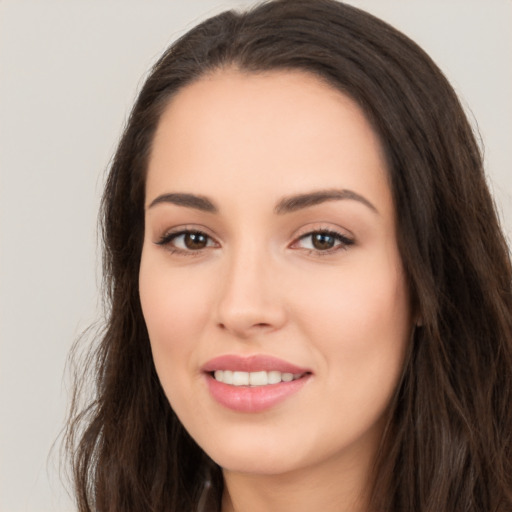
<point>250,301</point>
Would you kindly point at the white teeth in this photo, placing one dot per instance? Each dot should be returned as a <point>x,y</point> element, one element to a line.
<point>274,377</point>
<point>258,378</point>
<point>240,379</point>
<point>261,378</point>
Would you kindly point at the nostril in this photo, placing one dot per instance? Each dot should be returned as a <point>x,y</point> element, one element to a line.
<point>260,324</point>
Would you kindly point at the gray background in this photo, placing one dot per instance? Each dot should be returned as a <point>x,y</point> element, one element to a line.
<point>69,71</point>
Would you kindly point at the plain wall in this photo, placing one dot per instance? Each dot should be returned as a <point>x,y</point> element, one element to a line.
<point>69,72</point>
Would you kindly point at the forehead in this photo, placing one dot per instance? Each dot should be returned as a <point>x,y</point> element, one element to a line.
<point>279,132</point>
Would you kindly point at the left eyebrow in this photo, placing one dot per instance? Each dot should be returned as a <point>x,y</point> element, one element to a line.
<point>187,200</point>
<point>298,202</point>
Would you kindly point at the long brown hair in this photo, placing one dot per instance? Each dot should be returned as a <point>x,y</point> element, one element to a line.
<point>447,444</point>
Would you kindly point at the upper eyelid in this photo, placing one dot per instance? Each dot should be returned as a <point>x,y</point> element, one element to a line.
<point>302,232</point>
<point>166,242</point>
<point>316,227</point>
<point>179,230</point>
<point>323,231</point>
<point>172,235</point>
<point>343,239</point>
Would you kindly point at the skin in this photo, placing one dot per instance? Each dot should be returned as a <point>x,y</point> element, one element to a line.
<point>260,285</point>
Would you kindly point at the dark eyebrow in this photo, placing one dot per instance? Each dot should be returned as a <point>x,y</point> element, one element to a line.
<point>188,200</point>
<point>297,202</point>
<point>286,205</point>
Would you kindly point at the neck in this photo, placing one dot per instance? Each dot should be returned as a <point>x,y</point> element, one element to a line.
<point>326,488</point>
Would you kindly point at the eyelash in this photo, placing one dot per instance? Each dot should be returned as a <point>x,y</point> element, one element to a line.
<point>342,242</point>
<point>167,239</point>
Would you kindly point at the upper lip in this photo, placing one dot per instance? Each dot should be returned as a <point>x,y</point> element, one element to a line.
<point>254,363</point>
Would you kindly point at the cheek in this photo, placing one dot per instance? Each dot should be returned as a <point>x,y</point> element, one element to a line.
<point>361,323</point>
<point>175,308</point>
<point>357,301</point>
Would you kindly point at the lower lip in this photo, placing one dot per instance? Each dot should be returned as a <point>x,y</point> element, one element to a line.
<point>253,399</point>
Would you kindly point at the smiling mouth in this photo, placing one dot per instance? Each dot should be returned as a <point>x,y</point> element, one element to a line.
<point>253,384</point>
<point>255,379</point>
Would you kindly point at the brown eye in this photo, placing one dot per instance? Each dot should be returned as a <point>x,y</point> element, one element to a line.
<point>195,240</point>
<point>187,241</point>
<point>323,241</point>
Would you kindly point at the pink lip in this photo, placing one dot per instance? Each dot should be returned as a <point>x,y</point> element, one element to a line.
<point>256,363</point>
<point>258,398</point>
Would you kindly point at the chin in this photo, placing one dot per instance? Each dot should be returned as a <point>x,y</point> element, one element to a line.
<point>254,453</point>
<point>255,464</point>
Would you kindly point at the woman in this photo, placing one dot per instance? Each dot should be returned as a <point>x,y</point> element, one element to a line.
<point>310,295</point>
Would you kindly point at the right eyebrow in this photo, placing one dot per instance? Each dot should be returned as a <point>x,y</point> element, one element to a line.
<point>297,202</point>
<point>188,200</point>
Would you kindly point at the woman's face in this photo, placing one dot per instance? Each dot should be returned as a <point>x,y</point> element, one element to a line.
<point>270,254</point>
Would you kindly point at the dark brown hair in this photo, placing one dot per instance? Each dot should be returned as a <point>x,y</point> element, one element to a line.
<point>447,444</point>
